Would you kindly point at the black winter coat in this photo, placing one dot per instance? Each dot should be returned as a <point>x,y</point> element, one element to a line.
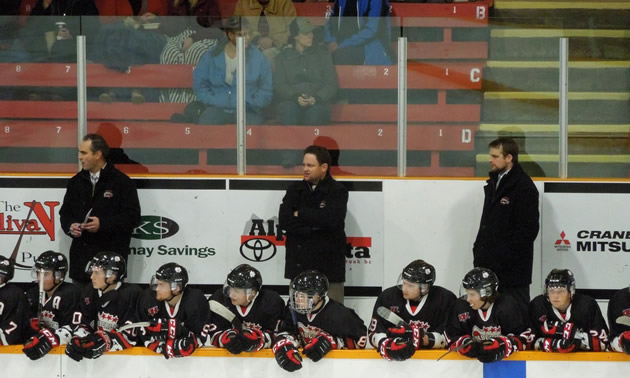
<point>509,225</point>
<point>316,238</point>
<point>114,201</point>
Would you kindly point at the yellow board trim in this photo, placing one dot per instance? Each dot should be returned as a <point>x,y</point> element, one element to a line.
<point>614,96</point>
<point>433,354</point>
<point>558,33</point>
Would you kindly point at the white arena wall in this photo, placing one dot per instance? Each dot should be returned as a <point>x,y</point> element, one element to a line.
<point>390,221</point>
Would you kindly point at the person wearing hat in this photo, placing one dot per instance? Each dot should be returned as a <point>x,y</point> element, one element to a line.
<point>305,79</point>
<point>214,79</point>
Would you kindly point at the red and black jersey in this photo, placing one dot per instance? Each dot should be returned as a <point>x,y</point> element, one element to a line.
<point>341,322</point>
<point>583,312</point>
<point>265,313</point>
<point>100,311</point>
<point>619,305</point>
<point>429,313</point>
<point>503,318</point>
<point>57,311</point>
<point>191,312</point>
<point>13,311</point>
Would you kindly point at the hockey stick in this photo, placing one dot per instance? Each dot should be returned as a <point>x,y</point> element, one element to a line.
<point>623,320</point>
<point>42,298</point>
<point>226,314</point>
<point>133,325</point>
<point>19,241</point>
<point>464,345</point>
<point>391,317</point>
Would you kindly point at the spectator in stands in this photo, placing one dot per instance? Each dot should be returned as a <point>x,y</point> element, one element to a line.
<point>11,49</point>
<point>134,40</point>
<point>52,39</point>
<point>214,79</point>
<point>269,22</point>
<point>190,34</point>
<point>358,32</point>
<point>305,79</point>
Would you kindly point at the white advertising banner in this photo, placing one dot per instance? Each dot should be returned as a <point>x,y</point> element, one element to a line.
<point>585,228</point>
<point>200,224</point>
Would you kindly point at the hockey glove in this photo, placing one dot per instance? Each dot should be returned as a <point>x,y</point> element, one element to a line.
<point>232,340</point>
<point>396,349</point>
<point>34,323</point>
<point>120,340</point>
<point>589,341</point>
<point>163,329</point>
<point>287,355</point>
<point>319,346</point>
<point>558,345</point>
<point>565,330</point>
<point>413,333</point>
<point>180,347</point>
<point>96,344</point>
<point>74,349</point>
<point>624,340</point>
<point>38,346</point>
<point>494,349</point>
<point>466,346</point>
<point>253,340</point>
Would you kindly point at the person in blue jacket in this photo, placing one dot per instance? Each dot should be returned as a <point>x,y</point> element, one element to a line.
<point>358,32</point>
<point>214,79</point>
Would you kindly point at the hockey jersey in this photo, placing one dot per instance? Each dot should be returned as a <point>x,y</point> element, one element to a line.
<point>57,311</point>
<point>342,323</point>
<point>503,318</point>
<point>13,311</point>
<point>265,313</point>
<point>429,314</point>
<point>100,311</point>
<point>619,305</point>
<point>583,312</point>
<point>191,312</point>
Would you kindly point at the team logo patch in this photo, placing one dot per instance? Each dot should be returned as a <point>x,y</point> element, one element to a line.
<point>394,309</point>
<point>153,310</point>
<point>626,312</point>
<point>108,194</point>
<point>463,317</point>
<point>87,301</point>
<point>505,201</point>
<point>486,333</point>
<point>420,324</point>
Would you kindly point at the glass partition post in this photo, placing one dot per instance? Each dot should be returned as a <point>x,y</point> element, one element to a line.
<point>563,87</point>
<point>241,157</point>
<point>81,92</point>
<point>402,107</point>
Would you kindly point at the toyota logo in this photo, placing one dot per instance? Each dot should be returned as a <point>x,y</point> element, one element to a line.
<point>258,249</point>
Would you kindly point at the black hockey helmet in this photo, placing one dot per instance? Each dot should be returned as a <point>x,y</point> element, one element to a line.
<point>560,278</point>
<point>304,287</point>
<point>53,262</point>
<point>244,276</point>
<point>110,262</point>
<point>420,272</point>
<point>483,281</point>
<point>173,273</point>
<point>7,269</point>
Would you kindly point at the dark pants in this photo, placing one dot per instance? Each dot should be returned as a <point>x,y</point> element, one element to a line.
<point>291,113</point>
<point>217,116</point>
<point>520,295</point>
